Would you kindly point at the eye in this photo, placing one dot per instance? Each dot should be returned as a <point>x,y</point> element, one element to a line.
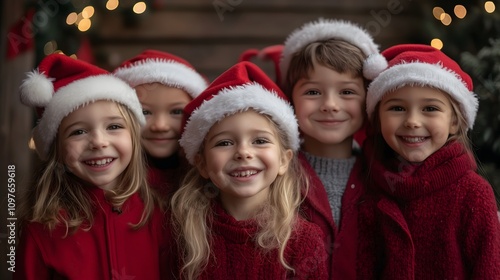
<point>223,143</point>
<point>176,112</point>
<point>431,109</point>
<point>115,126</point>
<point>347,92</point>
<point>261,141</point>
<point>146,112</point>
<point>77,132</point>
<point>396,108</point>
<point>312,92</point>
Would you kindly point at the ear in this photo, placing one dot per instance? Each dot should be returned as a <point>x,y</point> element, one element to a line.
<point>454,125</point>
<point>286,157</point>
<point>200,164</point>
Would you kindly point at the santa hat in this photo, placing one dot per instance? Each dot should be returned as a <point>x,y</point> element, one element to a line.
<point>61,85</point>
<point>324,29</point>
<point>271,53</point>
<point>240,88</point>
<point>426,66</point>
<point>154,66</point>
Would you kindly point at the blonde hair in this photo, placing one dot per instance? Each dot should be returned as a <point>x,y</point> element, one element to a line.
<point>382,149</point>
<point>192,213</point>
<point>60,197</point>
<point>334,54</point>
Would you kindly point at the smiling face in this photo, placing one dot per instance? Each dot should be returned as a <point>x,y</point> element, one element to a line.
<point>416,121</point>
<point>242,156</point>
<point>95,143</point>
<point>162,107</point>
<point>330,108</point>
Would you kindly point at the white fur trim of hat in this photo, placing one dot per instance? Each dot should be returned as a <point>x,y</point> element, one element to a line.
<point>324,29</point>
<point>166,72</point>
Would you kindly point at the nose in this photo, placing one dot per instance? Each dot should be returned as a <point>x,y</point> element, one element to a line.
<point>243,151</point>
<point>160,123</point>
<point>331,103</point>
<point>412,120</point>
<point>98,140</point>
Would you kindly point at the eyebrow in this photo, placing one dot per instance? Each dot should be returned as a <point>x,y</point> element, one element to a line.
<point>230,132</point>
<point>403,100</point>
<point>309,82</point>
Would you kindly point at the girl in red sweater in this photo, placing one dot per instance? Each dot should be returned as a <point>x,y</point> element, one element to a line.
<point>428,214</point>
<point>235,214</point>
<point>165,83</point>
<point>90,214</point>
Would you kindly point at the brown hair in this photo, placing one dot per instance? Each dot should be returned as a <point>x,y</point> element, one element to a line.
<point>335,54</point>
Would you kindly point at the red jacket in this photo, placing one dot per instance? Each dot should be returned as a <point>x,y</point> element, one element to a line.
<point>435,220</point>
<point>340,242</point>
<point>234,254</point>
<point>111,249</point>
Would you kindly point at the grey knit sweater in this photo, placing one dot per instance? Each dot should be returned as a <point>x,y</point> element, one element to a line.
<point>334,174</point>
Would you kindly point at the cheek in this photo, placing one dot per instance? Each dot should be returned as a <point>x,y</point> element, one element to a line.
<point>70,154</point>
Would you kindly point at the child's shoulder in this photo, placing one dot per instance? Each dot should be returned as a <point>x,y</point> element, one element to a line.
<point>475,188</point>
<point>307,230</point>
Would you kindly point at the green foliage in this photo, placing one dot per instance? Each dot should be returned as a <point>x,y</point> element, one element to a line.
<point>474,42</point>
<point>484,68</point>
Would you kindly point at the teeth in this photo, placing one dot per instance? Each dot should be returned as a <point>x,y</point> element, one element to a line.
<point>414,139</point>
<point>99,162</point>
<point>244,173</point>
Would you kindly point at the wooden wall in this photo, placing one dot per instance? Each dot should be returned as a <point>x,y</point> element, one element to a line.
<point>212,34</point>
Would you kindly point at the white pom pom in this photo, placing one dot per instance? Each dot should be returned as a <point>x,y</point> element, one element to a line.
<point>374,65</point>
<point>36,90</point>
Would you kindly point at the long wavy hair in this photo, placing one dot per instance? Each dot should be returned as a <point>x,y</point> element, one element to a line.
<point>192,213</point>
<point>59,197</point>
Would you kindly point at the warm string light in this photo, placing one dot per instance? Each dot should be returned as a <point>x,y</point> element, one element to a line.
<point>82,19</point>
<point>489,7</point>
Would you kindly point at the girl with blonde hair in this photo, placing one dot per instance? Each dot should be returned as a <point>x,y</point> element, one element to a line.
<point>236,213</point>
<point>90,214</point>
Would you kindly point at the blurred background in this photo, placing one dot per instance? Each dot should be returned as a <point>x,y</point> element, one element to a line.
<point>211,34</point>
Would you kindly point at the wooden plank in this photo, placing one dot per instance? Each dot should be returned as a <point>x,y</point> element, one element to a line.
<point>167,25</point>
<point>284,4</point>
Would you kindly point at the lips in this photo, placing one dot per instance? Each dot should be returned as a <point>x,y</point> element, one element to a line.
<point>413,139</point>
<point>99,162</point>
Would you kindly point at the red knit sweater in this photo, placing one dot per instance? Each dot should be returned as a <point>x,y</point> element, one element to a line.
<point>434,220</point>
<point>234,254</point>
<point>340,240</point>
<point>111,249</point>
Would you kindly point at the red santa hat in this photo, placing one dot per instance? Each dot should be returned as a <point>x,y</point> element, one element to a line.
<point>152,66</point>
<point>240,88</point>
<point>324,29</point>
<point>61,85</point>
<point>270,53</point>
<point>424,66</point>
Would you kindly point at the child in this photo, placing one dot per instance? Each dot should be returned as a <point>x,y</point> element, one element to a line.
<point>90,214</point>
<point>324,67</point>
<point>236,212</point>
<point>164,83</point>
<point>429,215</point>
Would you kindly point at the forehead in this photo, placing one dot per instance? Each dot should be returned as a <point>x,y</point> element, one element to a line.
<point>244,121</point>
<point>417,93</point>
<point>156,92</point>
